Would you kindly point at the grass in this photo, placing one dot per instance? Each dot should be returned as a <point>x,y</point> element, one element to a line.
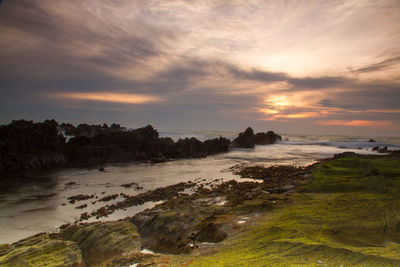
<point>349,215</point>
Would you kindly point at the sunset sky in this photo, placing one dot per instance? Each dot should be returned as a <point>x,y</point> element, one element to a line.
<point>319,67</point>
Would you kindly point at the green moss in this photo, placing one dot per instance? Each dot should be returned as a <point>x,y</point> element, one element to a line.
<point>378,175</point>
<point>348,215</point>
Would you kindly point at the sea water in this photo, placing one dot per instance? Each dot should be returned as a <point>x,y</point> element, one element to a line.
<point>41,204</point>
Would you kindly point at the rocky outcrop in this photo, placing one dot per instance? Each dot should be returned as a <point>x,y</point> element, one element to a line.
<point>248,139</point>
<point>42,250</point>
<point>25,145</point>
<point>245,139</point>
<point>94,244</point>
<point>137,145</point>
<point>267,138</point>
<point>176,229</point>
<point>191,147</point>
<point>100,242</point>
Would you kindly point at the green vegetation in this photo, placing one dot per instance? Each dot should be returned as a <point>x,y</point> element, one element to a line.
<point>349,215</point>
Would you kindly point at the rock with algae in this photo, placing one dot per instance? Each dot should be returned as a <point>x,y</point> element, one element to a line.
<point>41,250</point>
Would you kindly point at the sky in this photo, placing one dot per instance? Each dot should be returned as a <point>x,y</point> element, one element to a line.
<point>308,67</point>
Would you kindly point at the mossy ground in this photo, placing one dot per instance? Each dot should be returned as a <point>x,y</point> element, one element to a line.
<point>349,215</point>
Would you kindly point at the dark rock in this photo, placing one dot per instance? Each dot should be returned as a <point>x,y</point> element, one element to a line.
<point>108,198</point>
<point>345,155</point>
<point>247,139</point>
<point>80,197</point>
<point>383,149</point>
<point>129,185</point>
<point>25,145</point>
<point>81,206</point>
<point>267,138</point>
<point>371,141</point>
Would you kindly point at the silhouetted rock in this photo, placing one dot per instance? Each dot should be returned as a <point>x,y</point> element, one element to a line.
<point>25,145</point>
<point>371,141</point>
<point>247,139</point>
<point>267,138</point>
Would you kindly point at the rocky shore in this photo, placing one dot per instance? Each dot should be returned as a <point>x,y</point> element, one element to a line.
<point>328,213</point>
<point>181,224</point>
<point>27,146</point>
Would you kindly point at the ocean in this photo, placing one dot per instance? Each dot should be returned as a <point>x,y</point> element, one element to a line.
<point>41,204</point>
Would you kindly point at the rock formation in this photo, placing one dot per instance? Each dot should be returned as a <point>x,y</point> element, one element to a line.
<point>248,139</point>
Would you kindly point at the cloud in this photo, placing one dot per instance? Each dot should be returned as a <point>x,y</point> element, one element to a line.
<point>109,97</point>
<point>211,62</point>
<point>382,65</point>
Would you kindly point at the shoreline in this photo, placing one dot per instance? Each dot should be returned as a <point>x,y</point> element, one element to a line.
<point>214,214</point>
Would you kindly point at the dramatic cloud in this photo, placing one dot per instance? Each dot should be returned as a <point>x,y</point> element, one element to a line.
<point>291,66</point>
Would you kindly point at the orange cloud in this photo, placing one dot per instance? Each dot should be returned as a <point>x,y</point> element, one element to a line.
<point>267,111</point>
<point>275,116</point>
<point>356,123</point>
<point>110,97</point>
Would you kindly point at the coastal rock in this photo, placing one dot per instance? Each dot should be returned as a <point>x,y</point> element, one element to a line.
<point>100,242</point>
<point>245,139</point>
<point>176,229</point>
<point>267,138</point>
<point>26,146</point>
<point>42,250</point>
<point>248,139</point>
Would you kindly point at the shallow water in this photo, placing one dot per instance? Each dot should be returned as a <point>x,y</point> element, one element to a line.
<point>42,205</point>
